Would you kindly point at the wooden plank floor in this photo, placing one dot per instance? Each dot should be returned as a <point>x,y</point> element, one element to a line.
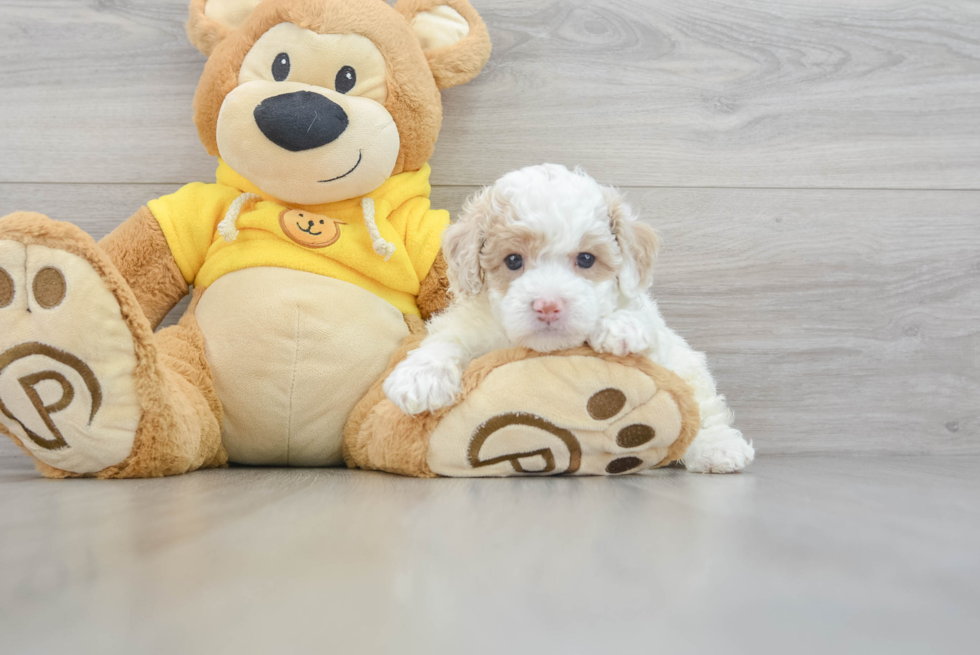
<point>814,169</point>
<point>820,554</point>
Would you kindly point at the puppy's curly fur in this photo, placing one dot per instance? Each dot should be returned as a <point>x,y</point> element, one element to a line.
<point>548,259</point>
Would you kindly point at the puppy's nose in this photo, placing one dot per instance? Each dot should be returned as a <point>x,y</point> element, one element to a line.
<point>548,310</point>
<point>300,121</point>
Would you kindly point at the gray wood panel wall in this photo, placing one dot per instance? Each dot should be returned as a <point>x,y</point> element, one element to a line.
<point>813,167</point>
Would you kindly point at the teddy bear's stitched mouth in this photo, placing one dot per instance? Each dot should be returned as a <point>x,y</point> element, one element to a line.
<point>360,156</point>
<point>308,231</point>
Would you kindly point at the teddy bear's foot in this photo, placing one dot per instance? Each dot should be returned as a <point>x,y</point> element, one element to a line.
<point>574,414</point>
<point>522,413</point>
<point>75,350</point>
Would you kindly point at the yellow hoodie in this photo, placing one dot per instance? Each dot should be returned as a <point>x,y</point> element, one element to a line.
<point>208,240</point>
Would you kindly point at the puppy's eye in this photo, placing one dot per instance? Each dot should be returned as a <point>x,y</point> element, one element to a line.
<point>280,67</point>
<point>514,262</point>
<point>586,260</point>
<point>346,79</point>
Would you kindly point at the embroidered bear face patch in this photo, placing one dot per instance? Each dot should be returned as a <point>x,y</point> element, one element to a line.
<point>308,229</point>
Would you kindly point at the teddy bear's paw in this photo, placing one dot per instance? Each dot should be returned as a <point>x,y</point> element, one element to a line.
<point>576,415</point>
<point>67,357</point>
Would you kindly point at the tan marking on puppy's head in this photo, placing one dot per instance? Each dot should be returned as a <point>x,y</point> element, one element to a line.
<point>608,261</point>
<point>505,241</point>
<point>462,242</point>
<point>316,101</point>
<point>638,242</point>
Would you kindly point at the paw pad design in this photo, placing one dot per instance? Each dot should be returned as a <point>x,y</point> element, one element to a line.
<point>67,356</point>
<point>634,436</point>
<point>599,417</point>
<point>605,404</point>
<point>487,430</point>
<point>30,382</point>
<point>601,406</point>
<point>623,465</point>
<point>49,287</point>
<point>6,289</point>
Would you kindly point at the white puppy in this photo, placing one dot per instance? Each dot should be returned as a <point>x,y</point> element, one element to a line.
<point>548,259</point>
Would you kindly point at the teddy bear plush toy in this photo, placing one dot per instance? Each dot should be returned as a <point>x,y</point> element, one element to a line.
<point>312,261</point>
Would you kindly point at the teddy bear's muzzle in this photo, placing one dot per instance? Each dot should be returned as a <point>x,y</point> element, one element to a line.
<point>302,120</point>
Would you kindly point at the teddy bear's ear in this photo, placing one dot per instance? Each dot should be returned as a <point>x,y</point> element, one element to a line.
<point>453,36</point>
<point>212,20</point>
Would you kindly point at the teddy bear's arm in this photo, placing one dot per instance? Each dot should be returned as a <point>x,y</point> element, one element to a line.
<point>434,290</point>
<point>139,249</point>
<point>421,228</point>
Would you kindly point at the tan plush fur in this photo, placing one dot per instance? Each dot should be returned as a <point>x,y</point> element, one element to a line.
<point>434,291</point>
<point>460,62</point>
<point>180,424</point>
<point>413,93</point>
<point>179,429</point>
<point>380,440</point>
<point>141,254</point>
<point>203,32</point>
<point>380,437</point>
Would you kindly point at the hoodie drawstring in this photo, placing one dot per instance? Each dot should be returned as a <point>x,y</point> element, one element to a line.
<point>226,228</point>
<point>384,248</point>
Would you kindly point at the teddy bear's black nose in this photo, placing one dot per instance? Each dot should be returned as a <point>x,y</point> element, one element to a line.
<point>300,121</point>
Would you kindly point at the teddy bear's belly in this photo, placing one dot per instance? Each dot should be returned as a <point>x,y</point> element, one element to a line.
<point>292,353</point>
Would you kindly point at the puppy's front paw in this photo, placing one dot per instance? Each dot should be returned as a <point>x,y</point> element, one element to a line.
<point>718,449</point>
<point>420,384</point>
<point>621,334</point>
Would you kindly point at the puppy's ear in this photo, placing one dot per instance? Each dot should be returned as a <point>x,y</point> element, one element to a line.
<point>462,243</point>
<point>212,20</point>
<point>453,37</point>
<point>637,240</point>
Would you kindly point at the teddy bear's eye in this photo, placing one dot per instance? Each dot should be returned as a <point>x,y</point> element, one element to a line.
<point>514,262</point>
<point>586,260</point>
<point>346,79</point>
<point>280,67</point>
